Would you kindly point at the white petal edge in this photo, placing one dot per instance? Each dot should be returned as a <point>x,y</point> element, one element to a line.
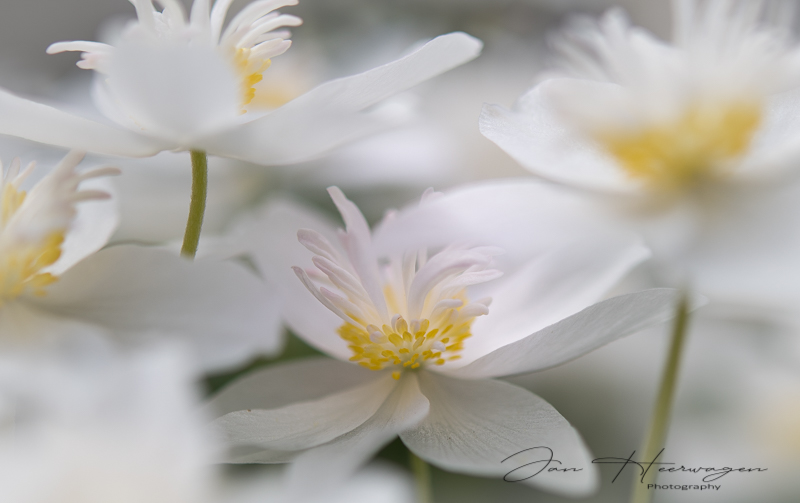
<point>577,335</point>
<point>481,427</point>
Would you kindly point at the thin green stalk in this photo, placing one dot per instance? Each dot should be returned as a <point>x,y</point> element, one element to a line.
<point>659,423</point>
<point>197,207</point>
<point>422,477</point>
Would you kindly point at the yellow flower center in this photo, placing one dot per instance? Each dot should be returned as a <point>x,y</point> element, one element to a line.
<point>21,265</point>
<point>251,71</point>
<point>404,344</point>
<point>688,150</point>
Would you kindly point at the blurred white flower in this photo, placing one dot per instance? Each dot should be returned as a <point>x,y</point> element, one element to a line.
<point>178,85</point>
<point>694,143</point>
<point>96,427</point>
<point>418,328</point>
<point>54,282</point>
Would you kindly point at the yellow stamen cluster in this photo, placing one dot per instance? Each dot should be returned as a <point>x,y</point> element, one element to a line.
<point>251,71</point>
<point>408,345</point>
<point>688,150</point>
<point>20,267</point>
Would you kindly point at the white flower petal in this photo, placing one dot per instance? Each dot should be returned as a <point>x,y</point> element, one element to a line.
<point>272,239</point>
<point>474,426</point>
<point>333,112</point>
<point>176,91</point>
<point>33,121</point>
<point>286,383</point>
<point>537,139</point>
<point>336,461</point>
<point>306,424</point>
<point>577,335</point>
<point>225,313</point>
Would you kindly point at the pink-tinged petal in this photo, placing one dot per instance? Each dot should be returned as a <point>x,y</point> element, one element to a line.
<point>334,462</point>
<point>34,121</point>
<point>274,247</point>
<point>497,429</point>
<point>226,314</point>
<point>577,335</point>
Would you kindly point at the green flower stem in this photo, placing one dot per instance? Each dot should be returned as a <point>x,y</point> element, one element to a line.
<point>197,207</point>
<point>659,423</point>
<point>422,476</point>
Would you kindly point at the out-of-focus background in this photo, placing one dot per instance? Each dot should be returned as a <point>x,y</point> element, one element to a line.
<point>739,398</point>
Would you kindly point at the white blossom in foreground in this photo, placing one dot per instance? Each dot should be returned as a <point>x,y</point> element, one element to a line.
<point>694,143</point>
<point>54,283</point>
<point>178,83</point>
<point>416,344</point>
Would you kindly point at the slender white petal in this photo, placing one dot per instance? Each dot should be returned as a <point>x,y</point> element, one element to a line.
<point>292,132</point>
<point>225,313</point>
<point>479,427</point>
<point>577,335</point>
<point>298,426</point>
<point>33,121</point>
<point>335,461</point>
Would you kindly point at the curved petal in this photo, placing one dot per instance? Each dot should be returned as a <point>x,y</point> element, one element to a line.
<point>577,335</point>
<point>331,113</point>
<point>33,121</point>
<point>549,288</point>
<point>94,224</point>
<point>493,428</point>
<point>775,148</point>
<point>225,313</point>
<point>285,383</point>
<point>536,138</point>
<point>336,461</point>
<point>272,241</point>
<point>305,424</point>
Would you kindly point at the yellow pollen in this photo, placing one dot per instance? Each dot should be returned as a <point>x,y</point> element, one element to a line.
<point>688,150</point>
<point>427,346</point>
<point>251,73</point>
<point>21,266</point>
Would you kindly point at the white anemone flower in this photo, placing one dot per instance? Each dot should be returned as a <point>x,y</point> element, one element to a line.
<point>54,282</point>
<point>174,82</point>
<point>693,143</point>
<point>415,342</point>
